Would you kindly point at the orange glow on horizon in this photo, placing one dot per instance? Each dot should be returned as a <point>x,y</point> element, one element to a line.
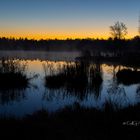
<point>63,35</point>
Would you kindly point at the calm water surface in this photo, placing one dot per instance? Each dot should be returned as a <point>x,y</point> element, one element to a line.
<point>37,96</point>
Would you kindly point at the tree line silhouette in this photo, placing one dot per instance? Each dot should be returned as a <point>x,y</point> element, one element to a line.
<point>115,44</point>
<point>69,44</point>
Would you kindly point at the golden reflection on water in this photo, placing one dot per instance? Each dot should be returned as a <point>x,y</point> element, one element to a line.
<point>37,66</point>
<point>61,98</point>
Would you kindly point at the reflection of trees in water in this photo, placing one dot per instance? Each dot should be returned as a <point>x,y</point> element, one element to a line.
<point>129,76</point>
<point>91,84</point>
<point>55,94</point>
<point>95,79</point>
<point>62,94</point>
<point>10,96</point>
<point>117,95</point>
<point>138,92</point>
<point>77,79</point>
<point>13,80</point>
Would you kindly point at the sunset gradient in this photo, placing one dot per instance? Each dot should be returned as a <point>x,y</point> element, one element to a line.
<point>61,19</point>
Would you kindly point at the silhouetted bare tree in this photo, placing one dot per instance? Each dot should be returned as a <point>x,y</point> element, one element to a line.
<point>118,30</point>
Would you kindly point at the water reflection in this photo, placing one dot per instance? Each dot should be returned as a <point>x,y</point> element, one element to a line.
<point>78,79</point>
<point>10,96</point>
<point>62,83</point>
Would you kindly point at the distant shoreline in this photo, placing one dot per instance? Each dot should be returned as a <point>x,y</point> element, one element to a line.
<point>70,44</point>
<point>41,55</point>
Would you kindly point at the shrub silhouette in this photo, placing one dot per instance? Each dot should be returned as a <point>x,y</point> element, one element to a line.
<point>128,76</point>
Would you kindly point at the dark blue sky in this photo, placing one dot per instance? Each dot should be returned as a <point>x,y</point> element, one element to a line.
<point>66,18</point>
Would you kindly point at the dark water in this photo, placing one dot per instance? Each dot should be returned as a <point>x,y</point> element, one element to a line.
<point>37,96</point>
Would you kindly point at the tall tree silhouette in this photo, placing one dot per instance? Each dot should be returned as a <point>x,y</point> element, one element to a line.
<point>118,30</point>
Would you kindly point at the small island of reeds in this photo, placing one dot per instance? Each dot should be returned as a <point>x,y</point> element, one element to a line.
<point>13,74</point>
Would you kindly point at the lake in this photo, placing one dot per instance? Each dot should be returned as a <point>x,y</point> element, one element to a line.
<point>38,95</point>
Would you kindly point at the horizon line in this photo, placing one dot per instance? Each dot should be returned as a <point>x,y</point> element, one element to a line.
<point>64,38</point>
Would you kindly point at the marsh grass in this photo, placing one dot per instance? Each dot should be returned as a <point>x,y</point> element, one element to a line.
<point>77,77</point>
<point>9,96</point>
<point>75,122</point>
<point>70,76</point>
<point>13,74</point>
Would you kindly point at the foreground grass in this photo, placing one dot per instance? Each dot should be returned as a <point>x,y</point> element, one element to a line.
<point>75,122</point>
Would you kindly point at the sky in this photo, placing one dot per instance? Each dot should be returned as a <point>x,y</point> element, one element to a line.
<point>43,19</point>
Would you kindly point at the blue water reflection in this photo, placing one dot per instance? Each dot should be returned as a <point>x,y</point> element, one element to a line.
<point>38,96</point>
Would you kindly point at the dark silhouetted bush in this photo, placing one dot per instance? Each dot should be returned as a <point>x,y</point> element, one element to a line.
<point>128,76</point>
